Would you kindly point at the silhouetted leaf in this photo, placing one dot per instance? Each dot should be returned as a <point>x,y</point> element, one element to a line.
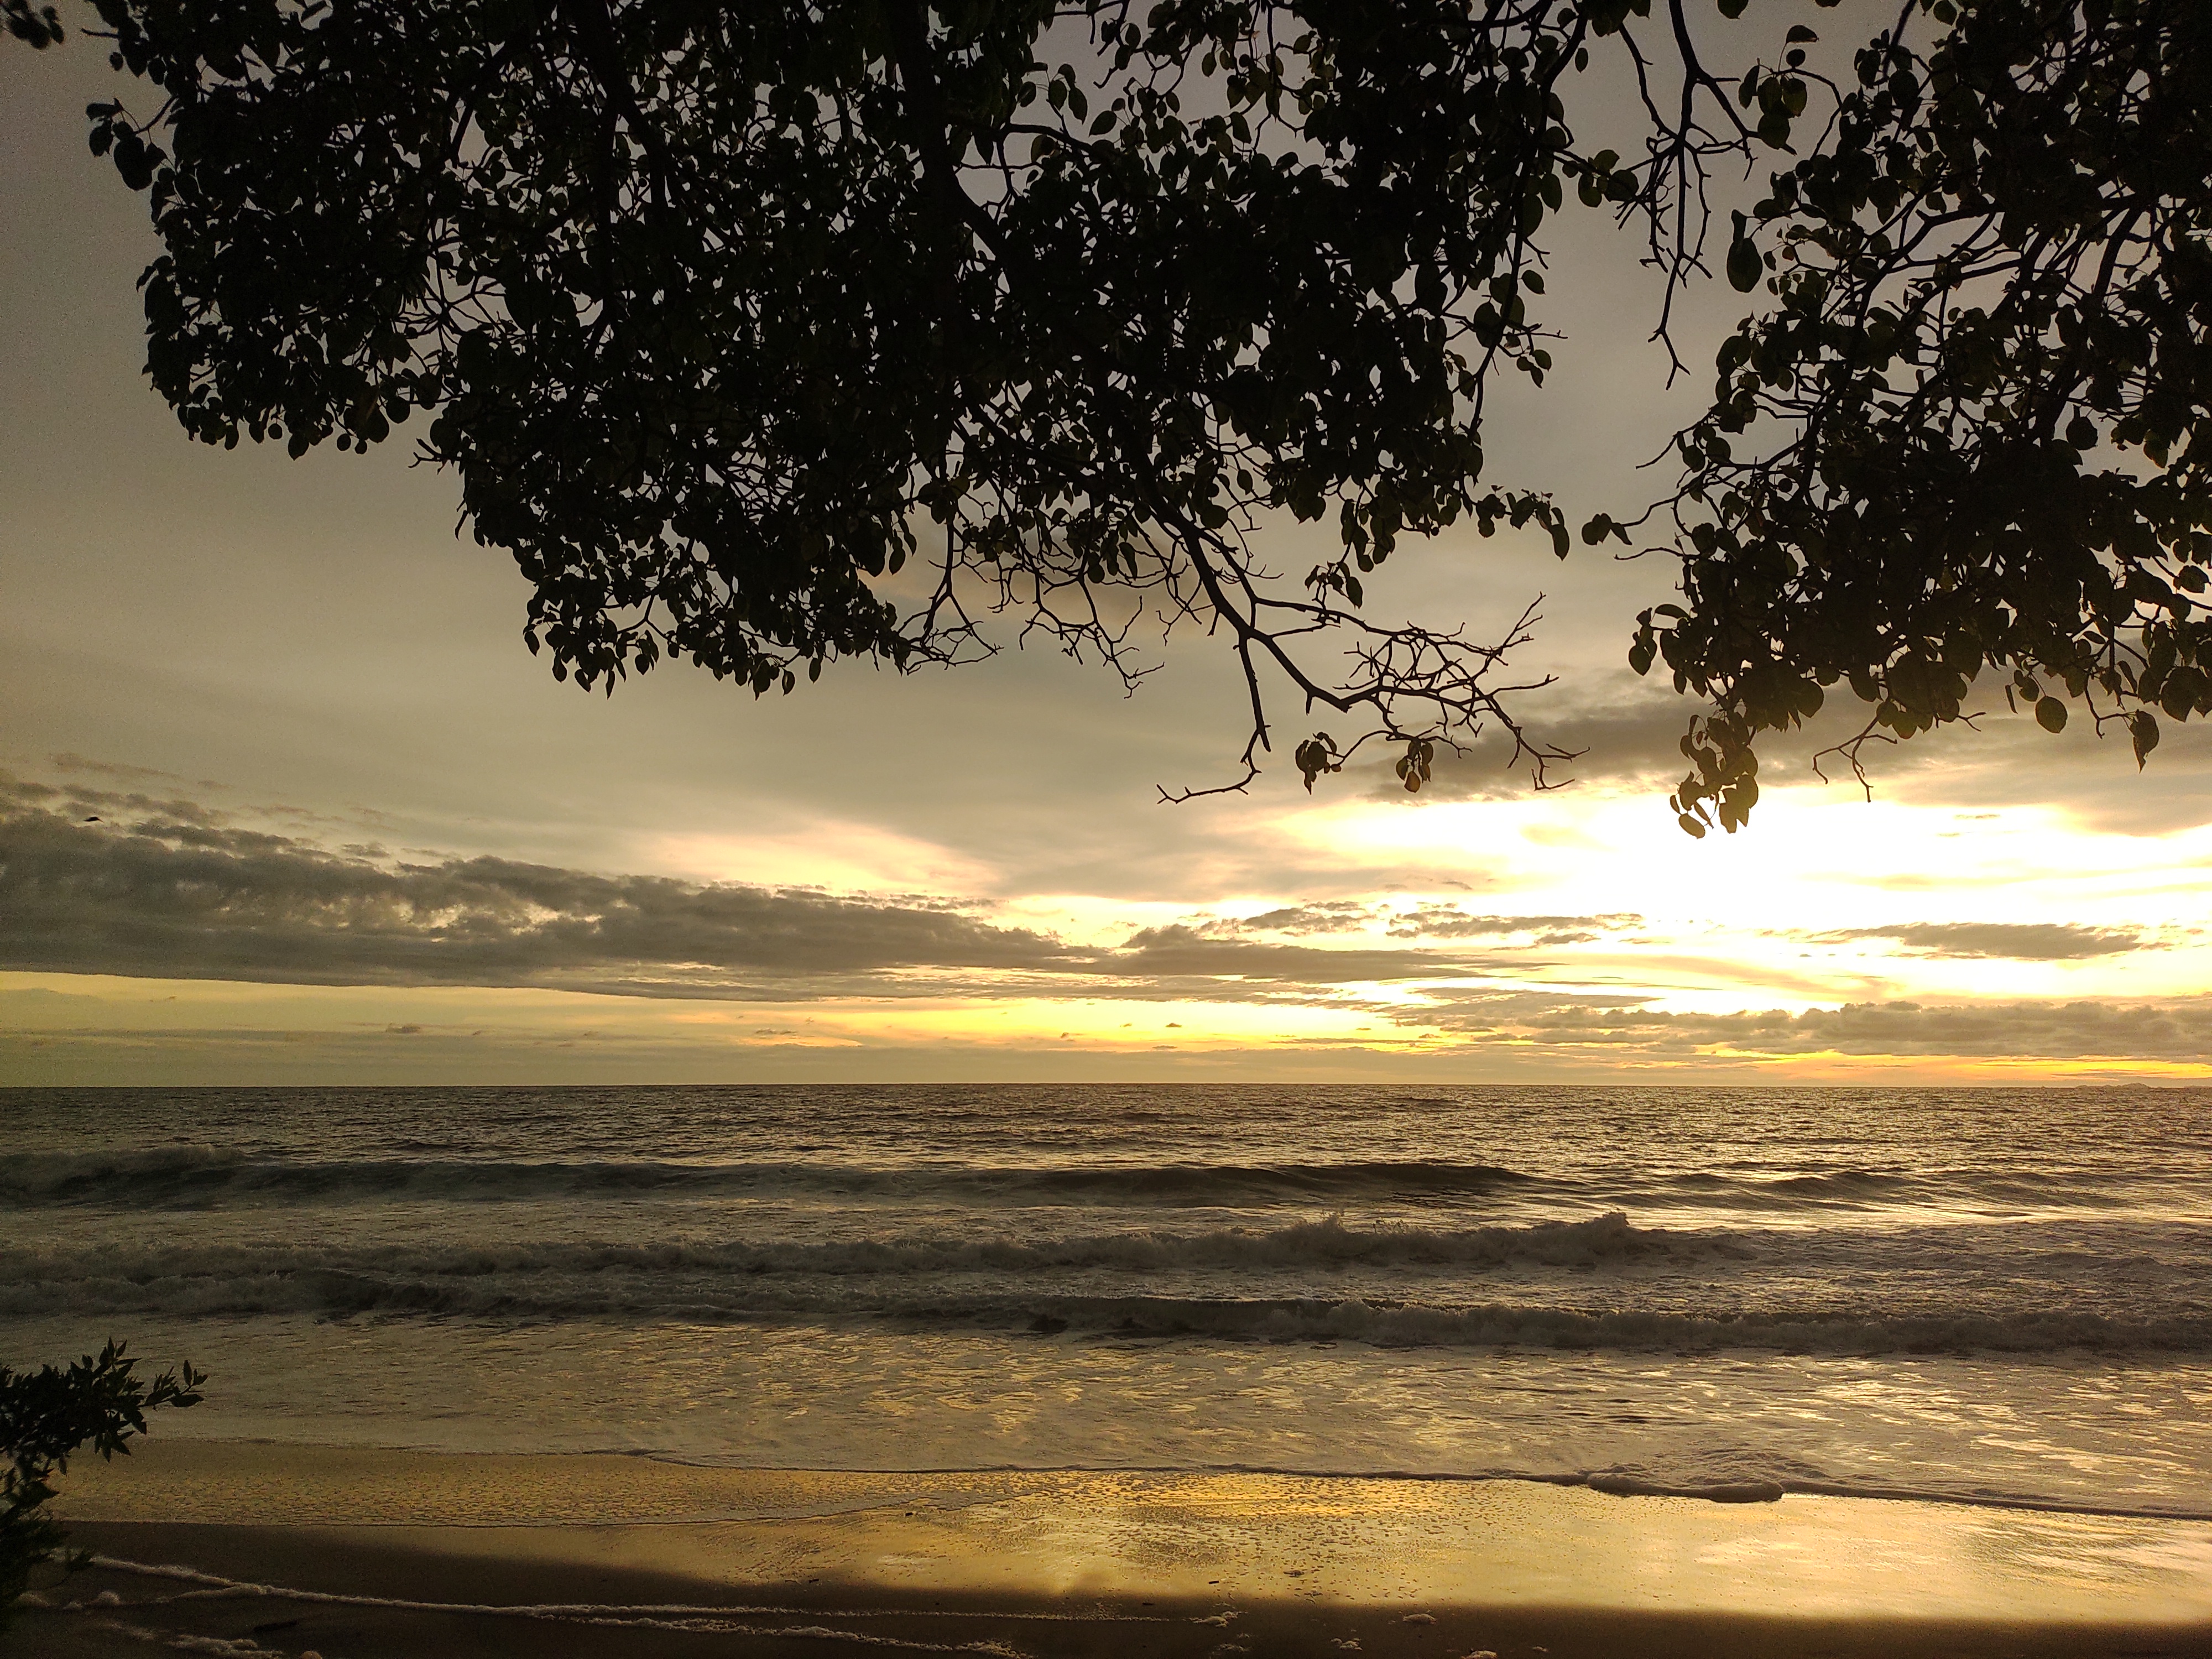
<point>2142,730</point>
<point>1744,266</point>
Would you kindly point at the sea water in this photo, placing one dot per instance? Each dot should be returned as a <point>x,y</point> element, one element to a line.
<point>1991,1295</point>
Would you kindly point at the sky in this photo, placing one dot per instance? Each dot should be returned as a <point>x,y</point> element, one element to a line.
<point>283,798</point>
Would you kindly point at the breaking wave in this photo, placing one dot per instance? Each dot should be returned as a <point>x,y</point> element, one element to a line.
<point>186,1175</point>
<point>1134,1285</point>
<point>1323,1245</point>
<point>194,1176</point>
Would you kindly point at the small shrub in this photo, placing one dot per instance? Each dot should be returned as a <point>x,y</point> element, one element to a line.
<point>47,1415</point>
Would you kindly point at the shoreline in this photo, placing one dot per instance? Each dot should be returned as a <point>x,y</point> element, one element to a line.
<point>435,1554</point>
<point>500,1601</point>
<point>1755,1491</point>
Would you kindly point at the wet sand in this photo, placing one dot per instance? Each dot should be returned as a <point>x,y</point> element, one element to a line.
<point>403,1554</point>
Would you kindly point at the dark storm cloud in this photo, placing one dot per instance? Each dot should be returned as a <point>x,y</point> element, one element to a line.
<point>2018,941</point>
<point>100,882</point>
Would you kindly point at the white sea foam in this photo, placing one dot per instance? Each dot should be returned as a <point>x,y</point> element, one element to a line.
<point>708,1617</point>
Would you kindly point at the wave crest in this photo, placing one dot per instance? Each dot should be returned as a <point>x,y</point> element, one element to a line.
<point>161,1176</point>
<point>1118,1285</point>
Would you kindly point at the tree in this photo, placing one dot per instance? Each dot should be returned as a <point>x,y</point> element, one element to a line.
<point>720,313</point>
<point>46,1416</point>
<point>1993,280</point>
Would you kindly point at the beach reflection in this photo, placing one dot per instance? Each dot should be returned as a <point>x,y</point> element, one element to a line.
<point>1230,1538</point>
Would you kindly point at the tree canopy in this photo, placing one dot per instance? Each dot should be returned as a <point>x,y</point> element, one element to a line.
<point>722,315</point>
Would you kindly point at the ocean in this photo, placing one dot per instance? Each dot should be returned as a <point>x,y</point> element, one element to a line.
<point>1987,1295</point>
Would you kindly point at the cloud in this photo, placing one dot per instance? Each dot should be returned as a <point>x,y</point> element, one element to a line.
<point>178,895</point>
<point>1187,956</point>
<point>1329,916</point>
<point>2175,1029</point>
<point>1421,922</point>
<point>1626,738</point>
<point>64,761</point>
<point>166,889</point>
<point>1446,921</point>
<point>2010,762</point>
<point>2018,941</point>
<point>1630,745</point>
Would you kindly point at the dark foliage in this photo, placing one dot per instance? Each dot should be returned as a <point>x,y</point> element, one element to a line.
<point>722,314</point>
<point>48,1415</point>
<point>1973,412</point>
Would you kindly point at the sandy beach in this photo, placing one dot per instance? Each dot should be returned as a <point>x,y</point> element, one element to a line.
<point>357,1554</point>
